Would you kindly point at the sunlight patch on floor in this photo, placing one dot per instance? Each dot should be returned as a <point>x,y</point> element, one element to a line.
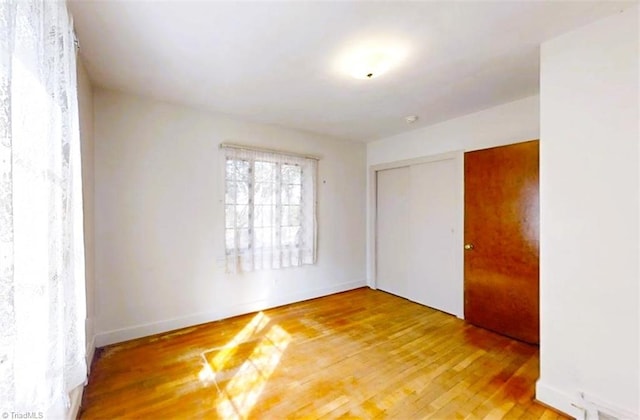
<point>243,390</point>
<point>208,373</point>
<point>252,328</point>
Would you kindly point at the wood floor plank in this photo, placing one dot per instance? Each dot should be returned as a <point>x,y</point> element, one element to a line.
<point>358,354</point>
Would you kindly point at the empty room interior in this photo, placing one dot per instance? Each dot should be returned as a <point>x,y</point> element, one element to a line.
<point>302,209</point>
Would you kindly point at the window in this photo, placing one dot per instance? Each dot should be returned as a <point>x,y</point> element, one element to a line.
<point>269,209</point>
<point>42,283</point>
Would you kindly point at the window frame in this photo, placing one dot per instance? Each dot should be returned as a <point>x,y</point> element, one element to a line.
<point>277,207</point>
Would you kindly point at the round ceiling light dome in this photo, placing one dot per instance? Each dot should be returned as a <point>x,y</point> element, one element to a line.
<point>371,65</point>
<point>370,60</point>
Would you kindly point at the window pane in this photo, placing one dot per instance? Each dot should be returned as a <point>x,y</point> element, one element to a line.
<point>291,174</point>
<point>291,194</point>
<point>230,216</point>
<point>291,215</point>
<point>243,235</point>
<point>236,192</point>
<point>238,170</point>
<point>243,170</point>
<point>242,193</point>
<point>242,216</point>
<point>265,171</point>
<point>230,170</point>
<point>230,190</point>
<point>230,241</point>
<point>290,236</point>
<point>264,237</point>
<point>263,216</point>
<point>264,193</point>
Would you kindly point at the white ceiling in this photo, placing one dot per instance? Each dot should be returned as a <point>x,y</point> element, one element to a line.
<point>275,62</point>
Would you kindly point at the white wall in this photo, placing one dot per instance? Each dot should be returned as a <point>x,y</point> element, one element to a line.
<point>589,216</point>
<point>85,108</point>
<point>509,123</point>
<point>504,124</point>
<point>159,218</point>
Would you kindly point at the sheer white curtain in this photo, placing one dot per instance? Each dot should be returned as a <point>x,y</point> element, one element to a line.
<point>270,209</point>
<point>42,297</point>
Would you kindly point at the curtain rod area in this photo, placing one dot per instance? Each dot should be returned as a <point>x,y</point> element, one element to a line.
<point>265,150</point>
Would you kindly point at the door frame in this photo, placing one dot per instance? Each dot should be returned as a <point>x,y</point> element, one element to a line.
<point>372,237</point>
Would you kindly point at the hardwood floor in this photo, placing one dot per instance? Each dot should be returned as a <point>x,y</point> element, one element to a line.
<point>358,354</point>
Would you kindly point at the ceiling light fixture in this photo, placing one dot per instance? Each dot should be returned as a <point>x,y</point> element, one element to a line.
<point>410,119</point>
<point>370,60</point>
<point>371,65</point>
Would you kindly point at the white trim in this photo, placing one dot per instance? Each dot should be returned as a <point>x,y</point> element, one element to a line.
<point>91,349</point>
<point>595,404</point>
<point>75,396</point>
<point>577,405</point>
<point>417,161</point>
<point>75,399</point>
<point>458,158</point>
<point>90,338</point>
<point>557,399</point>
<point>129,333</point>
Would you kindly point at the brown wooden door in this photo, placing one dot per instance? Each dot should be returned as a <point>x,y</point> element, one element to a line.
<point>501,226</point>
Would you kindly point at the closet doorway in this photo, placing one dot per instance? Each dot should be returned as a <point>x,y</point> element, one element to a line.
<point>419,229</point>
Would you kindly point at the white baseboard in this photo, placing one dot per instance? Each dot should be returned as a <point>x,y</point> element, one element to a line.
<point>129,333</point>
<point>579,405</point>
<point>594,405</point>
<point>75,399</point>
<point>75,396</point>
<point>91,349</point>
<point>89,330</point>
<point>557,399</point>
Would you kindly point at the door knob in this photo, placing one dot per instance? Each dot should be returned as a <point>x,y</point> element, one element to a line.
<point>468,247</point>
